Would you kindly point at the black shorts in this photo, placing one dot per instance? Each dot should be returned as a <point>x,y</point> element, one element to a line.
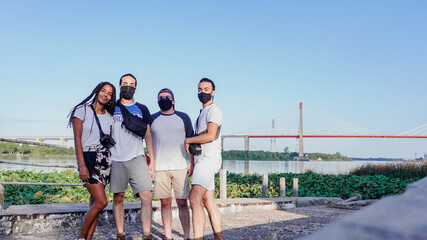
<point>98,164</point>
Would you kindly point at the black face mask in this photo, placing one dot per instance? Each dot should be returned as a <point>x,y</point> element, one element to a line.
<point>204,97</point>
<point>165,104</point>
<point>127,92</point>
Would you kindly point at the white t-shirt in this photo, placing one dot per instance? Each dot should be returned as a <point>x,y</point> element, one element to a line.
<point>128,145</point>
<point>90,133</point>
<point>169,132</point>
<point>210,150</point>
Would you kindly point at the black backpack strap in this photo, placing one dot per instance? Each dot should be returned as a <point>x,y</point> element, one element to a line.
<point>125,112</point>
<point>101,133</point>
<point>123,109</point>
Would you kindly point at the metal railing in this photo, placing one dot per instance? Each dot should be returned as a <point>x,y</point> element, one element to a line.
<point>2,190</point>
<point>222,183</point>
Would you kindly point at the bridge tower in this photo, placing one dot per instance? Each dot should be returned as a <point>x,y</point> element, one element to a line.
<point>301,144</point>
<point>273,140</point>
<point>301,156</point>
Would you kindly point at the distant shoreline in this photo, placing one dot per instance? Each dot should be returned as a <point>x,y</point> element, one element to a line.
<point>14,155</point>
<point>383,159</point>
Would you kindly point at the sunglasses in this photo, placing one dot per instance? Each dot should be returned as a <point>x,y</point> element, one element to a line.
<point>165,97</point>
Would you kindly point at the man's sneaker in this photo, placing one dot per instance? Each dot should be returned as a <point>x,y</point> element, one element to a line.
<point>146,237</point>
<point>121,236</point>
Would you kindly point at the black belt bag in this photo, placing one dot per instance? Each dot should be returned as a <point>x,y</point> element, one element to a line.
<point>133,123</point>
<point>196,148</point>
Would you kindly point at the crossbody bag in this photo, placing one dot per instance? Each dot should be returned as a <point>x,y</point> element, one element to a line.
<point>106,140</point>
<point>196,148</point>
<point>132,122</point>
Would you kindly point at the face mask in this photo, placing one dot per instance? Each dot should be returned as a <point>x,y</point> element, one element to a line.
<point>127,92</point>
<point>165,104</point>
<point>204,97</point>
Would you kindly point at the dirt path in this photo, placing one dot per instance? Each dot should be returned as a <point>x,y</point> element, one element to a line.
<point>276,224</point>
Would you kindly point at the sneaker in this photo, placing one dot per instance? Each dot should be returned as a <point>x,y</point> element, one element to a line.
<point>146,237</point>
<point>121,236</point>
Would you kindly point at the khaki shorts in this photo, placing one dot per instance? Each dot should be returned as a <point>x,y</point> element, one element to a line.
<point>165,180</point>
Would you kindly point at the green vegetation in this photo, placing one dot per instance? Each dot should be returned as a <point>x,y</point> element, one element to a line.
<point>403,170</point>
<point>7,148</point>
<point>328,157</point>
<point>314,185</point>
<point>280,156</point>
<point>238,185</point>
<point>33,194</point>
<point>257,155</point>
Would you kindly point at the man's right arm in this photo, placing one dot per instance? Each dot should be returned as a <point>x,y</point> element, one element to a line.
<point>203,138</point>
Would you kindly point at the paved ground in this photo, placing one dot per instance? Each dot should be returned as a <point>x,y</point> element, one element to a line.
<point>274,224</point>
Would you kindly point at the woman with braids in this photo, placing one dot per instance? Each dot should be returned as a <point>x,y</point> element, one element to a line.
<point>91,120</point>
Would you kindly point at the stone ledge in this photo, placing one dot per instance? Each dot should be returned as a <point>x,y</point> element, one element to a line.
<point>24,219</point>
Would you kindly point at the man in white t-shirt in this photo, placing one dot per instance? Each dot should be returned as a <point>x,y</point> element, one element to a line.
<point>169,130</point>
<point>129,164</point>
<point>207,164</point>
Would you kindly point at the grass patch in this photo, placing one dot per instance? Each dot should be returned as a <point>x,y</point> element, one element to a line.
<point>402,170</point>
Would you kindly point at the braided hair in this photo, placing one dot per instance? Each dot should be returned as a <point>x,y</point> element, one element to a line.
<point>109,107</point>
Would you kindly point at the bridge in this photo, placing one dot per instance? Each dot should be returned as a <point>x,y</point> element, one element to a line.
<point>247,137</point>
<point>301,136</point>
<point>39,140</point>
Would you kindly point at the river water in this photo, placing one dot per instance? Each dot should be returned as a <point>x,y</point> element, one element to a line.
<point>236,166</point>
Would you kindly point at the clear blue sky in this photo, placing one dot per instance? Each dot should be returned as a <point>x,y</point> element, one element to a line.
<point>358,65</point>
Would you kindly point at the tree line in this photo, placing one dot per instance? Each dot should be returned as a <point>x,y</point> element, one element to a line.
<point>279,156</point>
<point>33,150</point>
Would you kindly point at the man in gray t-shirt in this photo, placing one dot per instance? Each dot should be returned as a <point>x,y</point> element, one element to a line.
<point>207,164</point>
<point>169,129</point>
